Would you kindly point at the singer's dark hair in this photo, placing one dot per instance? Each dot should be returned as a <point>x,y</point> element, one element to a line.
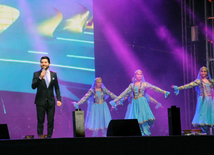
<point>45,57</point>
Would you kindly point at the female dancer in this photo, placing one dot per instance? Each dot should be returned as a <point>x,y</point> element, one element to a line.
<point>204,113</point>
<point>150,100</point>
<point>140,109</point>
<point>98,115</point>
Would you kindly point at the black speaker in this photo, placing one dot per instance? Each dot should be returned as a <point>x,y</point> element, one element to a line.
<point>174,121</point>
<point>4,134</point>
<point>123,127</point>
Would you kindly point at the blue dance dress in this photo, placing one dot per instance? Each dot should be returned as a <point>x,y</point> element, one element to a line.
<point>139,108</point>
<point>144,115</point>
<point>129,106</point>
<point>204,113</point>
<point>98,115</point>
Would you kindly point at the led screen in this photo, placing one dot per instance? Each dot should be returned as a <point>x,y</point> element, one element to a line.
<point>63,31</point>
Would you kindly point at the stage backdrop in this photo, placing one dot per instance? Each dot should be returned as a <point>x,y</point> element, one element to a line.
<point>146,35</point>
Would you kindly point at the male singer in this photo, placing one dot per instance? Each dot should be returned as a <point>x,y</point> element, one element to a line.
<point>44,80</point>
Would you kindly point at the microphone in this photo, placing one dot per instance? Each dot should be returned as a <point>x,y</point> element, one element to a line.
<point>44,69</point>
<point>45,73</point>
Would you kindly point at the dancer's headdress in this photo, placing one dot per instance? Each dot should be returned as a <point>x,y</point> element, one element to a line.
<point>143,80</point>
<point>91,99</point>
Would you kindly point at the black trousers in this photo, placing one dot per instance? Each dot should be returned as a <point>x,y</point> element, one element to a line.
<point>41,110</point>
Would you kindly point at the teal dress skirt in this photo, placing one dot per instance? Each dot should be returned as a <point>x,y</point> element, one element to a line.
<point>139,109</point>
<point>98,115</point>
<point>204,113</point>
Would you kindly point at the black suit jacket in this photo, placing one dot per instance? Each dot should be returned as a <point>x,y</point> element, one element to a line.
<point>44,93</point>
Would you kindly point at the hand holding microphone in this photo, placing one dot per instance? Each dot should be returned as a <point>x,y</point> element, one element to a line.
<point>42,75</point>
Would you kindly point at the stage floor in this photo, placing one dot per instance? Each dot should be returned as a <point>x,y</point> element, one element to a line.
<point>184,145</point>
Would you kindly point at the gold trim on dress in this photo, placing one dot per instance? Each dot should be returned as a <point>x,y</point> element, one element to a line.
<point>138,93</point>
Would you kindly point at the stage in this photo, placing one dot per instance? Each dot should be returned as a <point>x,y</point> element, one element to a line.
<point>111,145</point>
<point>110,39</point>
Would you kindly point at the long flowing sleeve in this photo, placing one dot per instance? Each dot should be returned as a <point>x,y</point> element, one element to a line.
<point>153,100</point>
<point>112,95</point>
<point>124,93</point>
<point>148,85</point>
<point>85,97</point>
<point>190,85</point>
